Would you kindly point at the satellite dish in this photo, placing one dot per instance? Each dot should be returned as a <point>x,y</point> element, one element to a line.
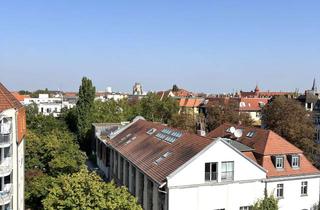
<point>238,133</point>
<point>232,129</point>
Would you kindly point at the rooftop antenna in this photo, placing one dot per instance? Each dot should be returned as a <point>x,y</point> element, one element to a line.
<point>238,133</point>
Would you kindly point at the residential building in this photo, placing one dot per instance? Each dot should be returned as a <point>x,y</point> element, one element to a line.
<point>12,143</point>
<point>311,102</point>
<point>51,105</point>
<point>166,168</point>
<point>190,105</point>
<point>251,106</point>
<point>256,93</point>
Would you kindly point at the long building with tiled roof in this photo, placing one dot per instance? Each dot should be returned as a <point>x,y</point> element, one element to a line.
<point>12,134</point>
<point>167,168</point>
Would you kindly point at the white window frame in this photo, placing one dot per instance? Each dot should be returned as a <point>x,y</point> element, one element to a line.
<point>304,188</point>
<point>280,190</point>
<point>245,208</point>
<point>229,169</point>
<point>211,177</point>
<point>295,161</point>
<point>279,164</point>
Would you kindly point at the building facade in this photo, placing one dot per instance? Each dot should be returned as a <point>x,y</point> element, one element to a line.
<point>166,168</point>
<point>12,143</point>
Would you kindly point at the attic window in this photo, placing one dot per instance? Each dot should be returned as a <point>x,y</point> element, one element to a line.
<point>279,162</point>
<point>250,134</point>
<point>162,157</point>
<point>228,130</point>
<point>294,160</point>
<point>151,131</point>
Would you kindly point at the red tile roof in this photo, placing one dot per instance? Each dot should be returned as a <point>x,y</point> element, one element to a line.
<point>252,104</point>
<point>7,100</point>
<point>267,143</point>
<point>190,102</point>
<point>19,97</point>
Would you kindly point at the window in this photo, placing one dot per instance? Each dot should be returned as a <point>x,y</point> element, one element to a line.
<point>250,134</point>
<point>227,171</point>
<point>279,162</point>
<point>304,188</point>
<point>279,190</point>
<point>295,162</point>
<point>246,208</point>
<point>211,171</point>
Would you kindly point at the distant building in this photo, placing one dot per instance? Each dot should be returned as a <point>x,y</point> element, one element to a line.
<point>137,89</point>
<point>311,102</point>
<point>251,106</point>
<point>12,143</point>
<point>52,105</point>
<point>256,93</point>
<point>169,169</point>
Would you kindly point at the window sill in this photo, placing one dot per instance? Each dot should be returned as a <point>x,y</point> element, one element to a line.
<point>280,198</point>
<point>304,195</point>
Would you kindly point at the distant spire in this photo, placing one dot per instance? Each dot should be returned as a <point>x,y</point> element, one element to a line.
<point>314,86</point>
<point>257,88</point>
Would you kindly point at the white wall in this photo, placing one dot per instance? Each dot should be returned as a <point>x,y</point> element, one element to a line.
<point>188,189</point>
<point>292,198</point>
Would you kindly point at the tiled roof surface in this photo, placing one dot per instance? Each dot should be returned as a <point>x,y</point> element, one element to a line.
<point>252,104</point>
<point>7,100</point>
<point>19,97</point>
<point>190,102</point>
<point>266,144</point>
<point>145,149</point>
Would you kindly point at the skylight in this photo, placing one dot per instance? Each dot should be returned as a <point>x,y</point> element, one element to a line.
<point>250,134</point>
<point>168,135</point>
<point>162,157</point>
<point>151,131</point>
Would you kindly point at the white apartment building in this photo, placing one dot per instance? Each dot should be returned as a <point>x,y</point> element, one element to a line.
<point>12,134</point>
<point>165,168</point>
<point>50,106</point>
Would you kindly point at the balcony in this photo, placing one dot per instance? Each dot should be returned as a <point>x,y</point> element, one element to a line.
<point>6,194</point>
<point>5,167</point>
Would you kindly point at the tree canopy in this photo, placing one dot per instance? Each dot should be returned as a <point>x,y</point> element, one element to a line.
<point>85,190</point>
<point>84,108</point>
<point>220,113</point>
<point>267,203</point>
<point>290,120</point>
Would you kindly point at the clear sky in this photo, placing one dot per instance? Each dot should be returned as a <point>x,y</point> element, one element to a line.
<point>209,45</point>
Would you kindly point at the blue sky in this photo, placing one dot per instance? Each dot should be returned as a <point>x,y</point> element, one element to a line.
<point>210,46</point>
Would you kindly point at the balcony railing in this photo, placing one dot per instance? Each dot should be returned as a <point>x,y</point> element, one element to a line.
<point>5,140</point>
<point>6,194</point>
<point>6,166</point>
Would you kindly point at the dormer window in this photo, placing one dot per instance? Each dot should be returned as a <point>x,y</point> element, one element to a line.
<point>294,160</point>
<point>250,134</point>
<point>279,162</point>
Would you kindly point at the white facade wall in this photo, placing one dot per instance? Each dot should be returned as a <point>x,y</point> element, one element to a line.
<point>189,190</point>
<point>292,198</point>
<point>17,176</point>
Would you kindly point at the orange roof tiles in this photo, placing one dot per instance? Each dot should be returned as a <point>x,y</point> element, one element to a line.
<point>190,102</point>
<point>7,100</point>
<point>19,97</point>
<point>266,144</point>
<point>252,104</point>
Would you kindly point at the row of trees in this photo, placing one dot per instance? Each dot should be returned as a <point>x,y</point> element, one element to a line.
<point>56,172</point>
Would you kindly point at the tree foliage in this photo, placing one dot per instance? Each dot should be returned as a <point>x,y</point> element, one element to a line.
<point>218,114</point>
<point>84,108</point>
<point>183,121</point>
<point>153,108</point>
<point>290,120</point>
<point>85,190</point>
<point>267,203</point>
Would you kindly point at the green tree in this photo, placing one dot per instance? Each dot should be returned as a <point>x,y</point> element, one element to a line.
<point>154,109</point>
<point>53,153</point>
<point>183,121</point>
<point>218,114</point>
<point>84,108</point>
<point>267,203</point>
<point>37,188</point>
<point>85,190</point>
<point>290,120</point>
